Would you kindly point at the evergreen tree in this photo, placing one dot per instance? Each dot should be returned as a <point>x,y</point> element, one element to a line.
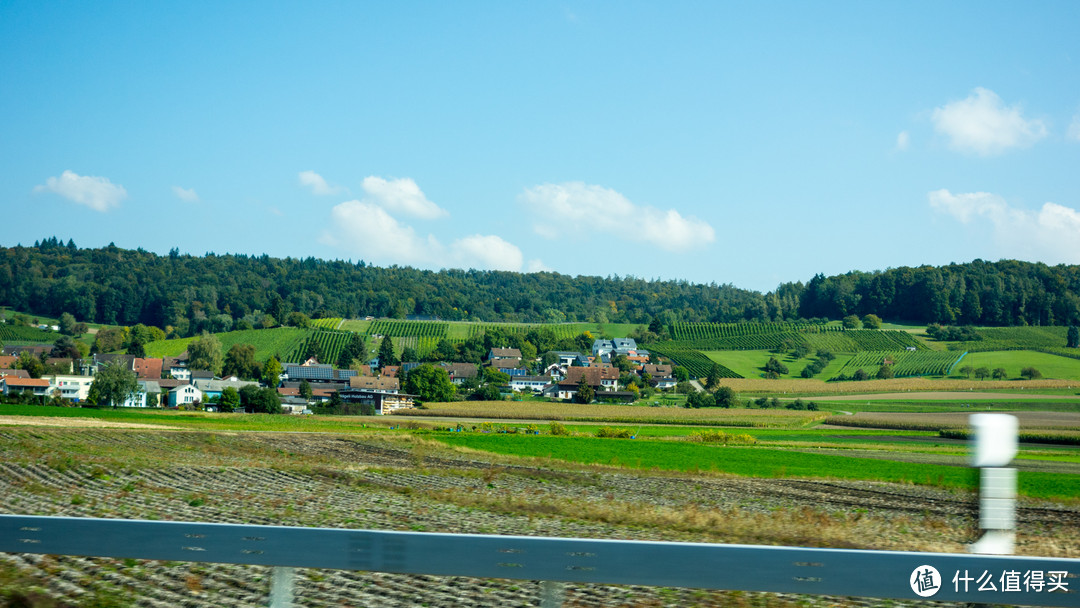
<point>1072,339</point>
<point>585,392</point>
<point>386,352</point>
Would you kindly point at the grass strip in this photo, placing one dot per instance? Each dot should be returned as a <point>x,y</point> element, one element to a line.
<point>752,462</point>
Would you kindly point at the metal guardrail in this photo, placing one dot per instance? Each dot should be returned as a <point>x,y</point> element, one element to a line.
<point>841,572</point>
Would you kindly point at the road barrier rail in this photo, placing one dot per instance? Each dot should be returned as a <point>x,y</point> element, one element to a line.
<point>1029,581</point>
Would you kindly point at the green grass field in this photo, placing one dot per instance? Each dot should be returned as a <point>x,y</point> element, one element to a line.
<point>1051,366</point>
<point>748,461</point>
<point>751,363</point>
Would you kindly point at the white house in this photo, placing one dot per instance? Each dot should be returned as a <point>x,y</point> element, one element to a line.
<point>184,395</point>
<point>535,384</point>
<point>72,388</point>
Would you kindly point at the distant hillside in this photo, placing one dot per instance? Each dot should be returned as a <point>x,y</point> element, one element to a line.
<point>219,293</point>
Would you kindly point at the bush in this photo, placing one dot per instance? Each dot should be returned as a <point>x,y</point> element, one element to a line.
<point>613,433</point>
<point>558,428</point>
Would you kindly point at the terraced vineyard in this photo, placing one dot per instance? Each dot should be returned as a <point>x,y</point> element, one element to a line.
<point>709,331</point>
<point>326,323</point>
<point>692,359</point>
<point>561,330</point>
<point>408,329</point>
<point>330,342</point>
<point>1015,338</point>
<point>26,335</point>
<point>904,363</point>
<point>279,341</point>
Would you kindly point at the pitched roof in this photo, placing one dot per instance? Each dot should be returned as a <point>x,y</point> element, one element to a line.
<point>504,363</point>
<point>25,382</point>
<point>148,368</point>
<point>460,370</point>
<point>14,373</point>
<point>6,362</point>
<point>372,382</point>
<point>593,375</point>
<point>657,370</point>
<point>505,352</point>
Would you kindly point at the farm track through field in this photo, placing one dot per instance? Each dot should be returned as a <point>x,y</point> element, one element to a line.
<point>373,483</point>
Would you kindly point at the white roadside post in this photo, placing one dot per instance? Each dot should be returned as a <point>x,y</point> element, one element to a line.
<point>281,587</point>
<point>996,444</point>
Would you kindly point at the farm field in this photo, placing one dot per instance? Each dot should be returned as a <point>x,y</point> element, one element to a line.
<point>751,363</point>
<point>411,482</point>
<point>268,342</point>
<point>509,410</point>
<point>1051,366</point>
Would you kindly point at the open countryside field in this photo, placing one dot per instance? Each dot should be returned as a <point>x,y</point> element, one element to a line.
<point>410,482</point>
<point>536,410</point>
<point>1051,366</point>
<point>751,363</point>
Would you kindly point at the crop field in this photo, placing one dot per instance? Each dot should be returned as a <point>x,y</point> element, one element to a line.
<point>1029,420</point>
<point>28,335</point>
<point>279,341</point>
<point>751,363</point>
<point>1050,365</point>
<point>330,342</point>
<point>816,386</point>
<point>696,362</point>
<point>419,483</point>
<point>326,323</point>
<point>1014,338</point>
<point>540,410</point>
<point>904,363</point>
<point>721,331</point>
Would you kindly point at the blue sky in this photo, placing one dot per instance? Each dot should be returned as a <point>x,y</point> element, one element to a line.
<point>741,143</point>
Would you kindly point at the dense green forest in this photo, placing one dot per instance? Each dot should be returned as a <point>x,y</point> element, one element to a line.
<point>187,294</point>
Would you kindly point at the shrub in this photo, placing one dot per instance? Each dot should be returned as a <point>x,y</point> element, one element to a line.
<point>613,432</point>
<point>558,428</point>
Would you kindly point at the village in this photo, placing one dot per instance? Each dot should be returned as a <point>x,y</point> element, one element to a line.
<point>611,372</point>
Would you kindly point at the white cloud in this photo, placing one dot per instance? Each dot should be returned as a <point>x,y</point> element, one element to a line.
<point>903,140</point>
<point>317,184</point>
<point>580,210</point>
<point>186,194</point>
<point>366,229</point>
<point>1074,129</point>
<point>537,266</point>
<point>402,196</point>
<point>1051,234</point>
<point>984,125</point>
<point>98,193</point>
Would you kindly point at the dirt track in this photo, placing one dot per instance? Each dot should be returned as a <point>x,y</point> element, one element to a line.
<point>376,485</point>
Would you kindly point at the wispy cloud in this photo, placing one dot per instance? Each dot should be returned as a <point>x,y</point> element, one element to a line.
<point>1074,128</point>
<point>97,193</point>
<point>402,196</point>
<point>318,185</point>
<point>186,194</point>
<point>903,140</point>
<point>984,125</point>
<point>581,211</point>
<point>1051,234</point>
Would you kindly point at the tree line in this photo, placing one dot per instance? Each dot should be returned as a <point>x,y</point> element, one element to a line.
<point>186,295</point>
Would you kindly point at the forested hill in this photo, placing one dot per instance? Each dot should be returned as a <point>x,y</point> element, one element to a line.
<point>113,285</point>
<point>220,292</point>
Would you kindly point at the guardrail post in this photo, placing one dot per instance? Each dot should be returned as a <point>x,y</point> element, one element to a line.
<point>281,587</point>
<point>996,444</point>
<point>552,594</point>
